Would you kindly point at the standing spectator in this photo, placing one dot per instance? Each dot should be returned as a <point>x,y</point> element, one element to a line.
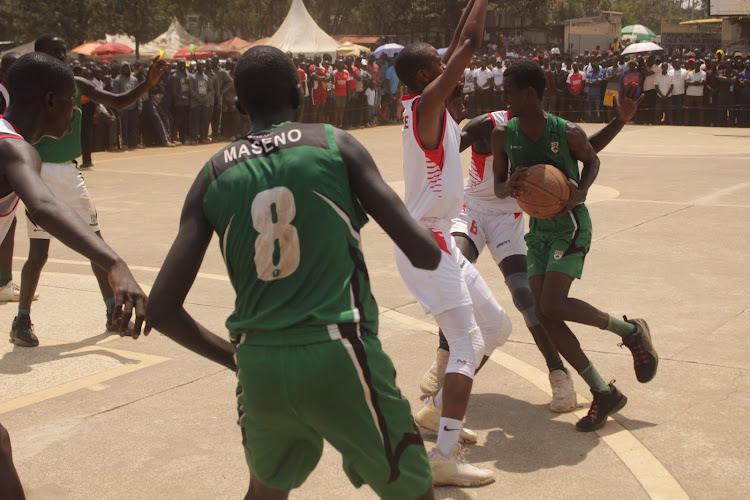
<point>561,82</point>
<point>223,84</point>
<point>663,84</point>
<point>230,123</point>
<point>151,104</point>
<point>181,102</point>
<point>725,105</point>
<point>575,90</point>
<point>213,71</point>
<point>594,81</point>
<point>679,75</point>
<point>470,89</point>
<point>710,93</point>
<point>649,76</point>
<point>341,90</point>
<point>392,83</point>
<point>130,129</point>
<point>497,81</point>
<point>744,101</point>
<point>695,82</point>
<point>88,109</point>
<point>614,46</point>
<point>549,100</point>
<point>352,104</point>
<point>372,110</point>
<point>632,75</point>
<point>304,108</point>
<point>613,78</point>
<point>201,97</point>
<point>483,82</point>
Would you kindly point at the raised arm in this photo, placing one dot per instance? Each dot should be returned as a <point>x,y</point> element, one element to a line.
<point>478,133</point>
<point>457,34</point>
<point>121,101</point>
<point>165,310</point>
<point>624,112</point>
<point>21,167</point>
<point>380,201</point>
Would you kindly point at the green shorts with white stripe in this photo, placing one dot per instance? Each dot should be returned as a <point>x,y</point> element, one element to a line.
<point>291,398</point>
<point>559,244</point>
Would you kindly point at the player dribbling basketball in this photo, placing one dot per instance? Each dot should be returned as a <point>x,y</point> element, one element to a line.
<point>557,247</point>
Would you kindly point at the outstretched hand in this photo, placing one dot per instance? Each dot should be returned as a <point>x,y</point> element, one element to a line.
<point>625,110</point>
<point>128,295</point>
<point>156,70</point>
<point>577,197</point>
<point>458,103</point>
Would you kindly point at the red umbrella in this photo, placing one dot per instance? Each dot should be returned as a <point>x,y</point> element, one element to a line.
<point>184,53</point>
<point>111,49</point>
<point>236,43</point>
<point>217,49</point>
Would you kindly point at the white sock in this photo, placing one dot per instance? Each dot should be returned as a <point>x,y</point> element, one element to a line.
<point>448,435</point>
<point>438,399</point>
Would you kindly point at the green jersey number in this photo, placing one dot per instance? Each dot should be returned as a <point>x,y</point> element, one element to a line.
<point>277,246</point>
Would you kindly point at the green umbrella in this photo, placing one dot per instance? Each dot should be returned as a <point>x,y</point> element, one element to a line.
<point>638,31</point>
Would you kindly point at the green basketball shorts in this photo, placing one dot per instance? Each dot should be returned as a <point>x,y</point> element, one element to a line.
<point>559,244</point>
<point>344,391</point>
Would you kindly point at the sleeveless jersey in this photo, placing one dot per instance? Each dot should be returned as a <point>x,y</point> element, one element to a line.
<point>550,149</point>
<point>8,203</point>
<point>479,190</point>
<point>289,230</point>
<point>69,147</point>
<point>433,179</point>
<point>4,98</point>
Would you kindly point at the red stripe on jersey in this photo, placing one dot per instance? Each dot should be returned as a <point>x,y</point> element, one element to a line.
<point>436,157</point>
<point>517,214</point>
<point>440,241</point>
<point>9,136</point>
<point>12,209</point>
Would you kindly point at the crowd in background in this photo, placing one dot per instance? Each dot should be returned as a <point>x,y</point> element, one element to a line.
<point>195,102</point>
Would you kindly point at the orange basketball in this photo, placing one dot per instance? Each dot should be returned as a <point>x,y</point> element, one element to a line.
<point>546,186</point>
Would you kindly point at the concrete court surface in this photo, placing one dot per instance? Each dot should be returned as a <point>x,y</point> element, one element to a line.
<point>95,416</point>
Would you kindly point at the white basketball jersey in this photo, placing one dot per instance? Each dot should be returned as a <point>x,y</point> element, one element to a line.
<point>6,98</point>
<point>9,203</point>
<point>479,190</point>
<point>433,179</point>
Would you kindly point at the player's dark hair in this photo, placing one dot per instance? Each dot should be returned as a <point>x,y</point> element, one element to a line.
<point>265,80</point>
<point>410,60</point>
<point>36,73</point>
<point>526,73</point>
<point>44,41</point>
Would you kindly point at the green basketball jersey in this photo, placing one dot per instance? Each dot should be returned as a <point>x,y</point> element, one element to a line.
<point>67,148</point>
<point>288,226</point>
<point>550,149</point>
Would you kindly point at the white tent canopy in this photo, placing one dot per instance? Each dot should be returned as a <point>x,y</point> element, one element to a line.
<point>300,33</point>
<point>170,41</point>
<point>21,49</point>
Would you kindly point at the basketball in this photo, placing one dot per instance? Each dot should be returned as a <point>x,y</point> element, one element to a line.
<point>546,186</point>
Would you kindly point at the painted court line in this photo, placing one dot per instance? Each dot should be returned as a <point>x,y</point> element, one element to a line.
<point>645,467</point>
<point>142,361</point>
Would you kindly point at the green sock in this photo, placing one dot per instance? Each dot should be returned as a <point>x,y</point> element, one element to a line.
<point>6,276</point>
<point>620,327</point>
<point>594,380</point>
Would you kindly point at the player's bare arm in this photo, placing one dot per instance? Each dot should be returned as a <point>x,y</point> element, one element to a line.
<point>457,34</point>
<point>478,133</point>
<point>505,184</point>
<point>432,102</point>
<point>10,484</point>
<point>120,101</point>
<point>624,112</point>
<point>165,310</point>
<point>21,168</point>
<point>380,201</point>
<point>582,151</point>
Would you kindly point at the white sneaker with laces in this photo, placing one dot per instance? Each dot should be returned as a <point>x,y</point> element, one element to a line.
<point>12,293</point>
<point>454,470</point>
<point>563,393</point>
<point>429,418</point>
<point>433,378</point>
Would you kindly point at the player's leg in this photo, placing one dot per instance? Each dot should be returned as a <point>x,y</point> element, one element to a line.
<point>22,330</point>
<point>10,484</point>
<point>281,450</point>
<point>469,240</point>
<point>353,401</point>
<point>607,399</point>
<point>9,291</point>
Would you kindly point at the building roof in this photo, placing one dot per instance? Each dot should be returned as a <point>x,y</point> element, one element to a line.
<point>703,21</point>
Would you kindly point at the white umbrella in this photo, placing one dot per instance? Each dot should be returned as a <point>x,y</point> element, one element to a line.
<point>389,49</point>
<point>636,48</point>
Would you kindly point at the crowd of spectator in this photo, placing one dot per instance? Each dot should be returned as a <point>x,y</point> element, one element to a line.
<point>195,102</point>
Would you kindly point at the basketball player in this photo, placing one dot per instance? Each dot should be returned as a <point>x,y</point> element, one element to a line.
<point>287,202</point>
<point>557,247</point>
<point>43,104</point>
<point>464,308</point>
<point>497,223</point>
<point>60,173</point>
